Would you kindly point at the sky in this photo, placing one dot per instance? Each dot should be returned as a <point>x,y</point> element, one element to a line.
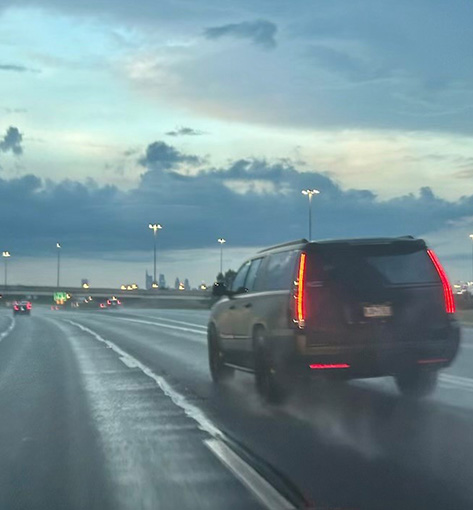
<point>211,116</point>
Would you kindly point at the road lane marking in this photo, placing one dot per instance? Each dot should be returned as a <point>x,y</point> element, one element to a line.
<point>191,411</point>
<point>248,476</point>
<point>8,330</point>
<point>463,382</point>
<point>262,489</point>
<point>175,321</point>
<point>160,324</point>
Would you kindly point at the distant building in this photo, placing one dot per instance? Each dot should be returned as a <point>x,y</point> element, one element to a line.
<point>176,283</point>
<point>162,281</point>
<point>187,285</point>
<point>148,280</point>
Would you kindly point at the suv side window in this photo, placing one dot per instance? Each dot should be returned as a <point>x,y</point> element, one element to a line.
<point>279,273</point>
<point>252,274</point>
<point>239,280</point>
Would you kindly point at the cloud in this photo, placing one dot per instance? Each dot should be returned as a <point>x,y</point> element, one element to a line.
<point>260,32</point>
<point>196,209</point>
<point>13,110</point>
<point>185,131</point>
<point>160,155</point>
<point>12,141</point>
<point>18,68</point>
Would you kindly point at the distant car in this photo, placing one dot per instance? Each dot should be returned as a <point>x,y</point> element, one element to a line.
<point>22,308</point>
<point>113,302</point>
<point>352,308</point>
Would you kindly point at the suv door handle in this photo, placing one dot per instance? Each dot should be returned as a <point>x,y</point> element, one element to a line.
<point>248,305</point>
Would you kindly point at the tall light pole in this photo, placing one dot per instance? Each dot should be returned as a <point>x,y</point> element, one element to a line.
<point>310,193</point>
<point>471,237</point>
<point>6,255</point>
<point>222,241</point>
<point>58,248</point>
<point>155,227</point>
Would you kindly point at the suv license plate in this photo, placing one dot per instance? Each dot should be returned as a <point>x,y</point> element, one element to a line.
<point>374,311</point>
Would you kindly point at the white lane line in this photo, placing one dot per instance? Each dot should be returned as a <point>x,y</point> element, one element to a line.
<point>175,321</point>
<point>253,481</point>
<point>162,325</point>
<point>264,491</point>
<point>191,411</point>
<point>463,382</point>
<point>8,330</point>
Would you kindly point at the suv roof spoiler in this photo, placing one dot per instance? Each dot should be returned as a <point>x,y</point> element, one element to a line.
<point>372,240</point>
<point>283,245</point>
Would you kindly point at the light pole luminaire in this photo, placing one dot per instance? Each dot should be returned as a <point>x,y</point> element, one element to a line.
<point>155,227</point>
<point>6,255</point>
<point>222,241</point>
<point>310,193</point>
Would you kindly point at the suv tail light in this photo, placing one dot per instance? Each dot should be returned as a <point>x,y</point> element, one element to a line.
<point>16,307</point>
<point>28,306</point>
<point>299,293</point>
<point>447,289</point>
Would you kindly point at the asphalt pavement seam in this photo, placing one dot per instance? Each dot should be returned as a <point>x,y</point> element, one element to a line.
<point>252,480</point>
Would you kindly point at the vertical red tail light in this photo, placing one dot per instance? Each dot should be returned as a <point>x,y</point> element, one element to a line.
<point>447,289</point>
<point>300,293</point>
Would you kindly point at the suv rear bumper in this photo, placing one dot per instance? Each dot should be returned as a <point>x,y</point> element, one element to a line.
<point>384,358</point>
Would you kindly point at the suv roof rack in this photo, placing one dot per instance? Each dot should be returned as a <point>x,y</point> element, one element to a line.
<point>283,245</point>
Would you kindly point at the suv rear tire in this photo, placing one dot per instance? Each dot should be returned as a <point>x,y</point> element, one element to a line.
<point>218,370</point>
<point>417,383</point>
<point>268,374</point>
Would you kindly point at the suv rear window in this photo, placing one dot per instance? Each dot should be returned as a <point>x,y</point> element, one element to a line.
<point>391,264</point>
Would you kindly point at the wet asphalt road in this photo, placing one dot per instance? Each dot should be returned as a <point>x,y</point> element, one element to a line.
<point>116,410</point>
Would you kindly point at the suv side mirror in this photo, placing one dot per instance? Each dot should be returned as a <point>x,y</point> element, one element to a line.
<point>219,289</point>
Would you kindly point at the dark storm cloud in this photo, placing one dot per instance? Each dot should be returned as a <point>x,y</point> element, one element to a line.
<point>12,141</point>
<point>260,32</point>
<point>17,68</point>
<point>185,131</point>
<point>160,155</point>
<point>196,209</point>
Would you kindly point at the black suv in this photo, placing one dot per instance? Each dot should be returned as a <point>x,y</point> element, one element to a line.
<point>350,308</point>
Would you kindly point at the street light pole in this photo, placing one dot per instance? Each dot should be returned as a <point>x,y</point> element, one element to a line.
<point>58,247</point>
<point>471,237</point>
<point>310,193</point>
<point>222,241</point>
<point>6,255</point>
<point>155,227</point>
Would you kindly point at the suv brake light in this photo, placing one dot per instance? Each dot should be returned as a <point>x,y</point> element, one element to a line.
<point>299,315</point>
<point>447,289</point>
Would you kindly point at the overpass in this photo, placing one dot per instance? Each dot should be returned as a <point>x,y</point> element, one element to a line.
<point>139,297</point>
